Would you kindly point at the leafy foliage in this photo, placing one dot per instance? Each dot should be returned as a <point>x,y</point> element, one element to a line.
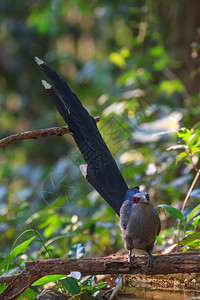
<point>122,61</point>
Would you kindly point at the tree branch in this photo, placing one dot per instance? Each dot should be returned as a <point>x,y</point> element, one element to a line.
<point>185,262</point>
<point>7,278</point>
<point>35,134</point>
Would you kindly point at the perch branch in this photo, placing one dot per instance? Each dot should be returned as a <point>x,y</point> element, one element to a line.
<point>185,262</point>
<point>7,278</point>
<point>35,134</point>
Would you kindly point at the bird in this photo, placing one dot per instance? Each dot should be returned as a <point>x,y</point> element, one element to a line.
<point>139,221</point>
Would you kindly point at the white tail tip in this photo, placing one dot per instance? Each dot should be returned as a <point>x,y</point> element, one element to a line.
<point>46,85</point>
<point>39,61</point>
<point>83,169</point>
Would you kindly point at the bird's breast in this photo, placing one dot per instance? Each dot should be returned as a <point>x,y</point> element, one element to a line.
<point>142,223</point>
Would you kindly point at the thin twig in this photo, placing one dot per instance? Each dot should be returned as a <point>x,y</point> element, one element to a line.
<point>190,189</point>
<point>184,204</point>
<point>35,134</point>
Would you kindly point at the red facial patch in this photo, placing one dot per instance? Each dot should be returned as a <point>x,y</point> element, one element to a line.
<point>136,199</point>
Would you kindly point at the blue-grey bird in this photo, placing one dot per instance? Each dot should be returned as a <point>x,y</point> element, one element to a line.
<point>139,222</point>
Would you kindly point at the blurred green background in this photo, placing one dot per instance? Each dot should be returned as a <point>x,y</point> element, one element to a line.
<point>133,63</point>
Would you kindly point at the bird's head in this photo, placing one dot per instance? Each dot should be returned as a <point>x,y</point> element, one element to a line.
<point>141,197</point>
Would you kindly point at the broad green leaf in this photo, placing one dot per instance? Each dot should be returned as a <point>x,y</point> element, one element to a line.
<point>54,224</point>
<point>16,251</point>
<point>184,133</point>
<point>194,246</point>
<point>172,211</point>
<point>193,138</point>
<point>182,155</point>
<point>28,294</point>
<point>195,221</point>
<point>195,148</point>
<point>159,240</point>
<point>192,213</point>
<point>1,288</point>
<point>47,278</point>
<point>23,233</point>
<point>71,285</point>
<point>190,238</point>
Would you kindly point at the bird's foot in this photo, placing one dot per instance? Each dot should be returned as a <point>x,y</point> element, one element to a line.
<point>149,260</point>
<point>131,259</point>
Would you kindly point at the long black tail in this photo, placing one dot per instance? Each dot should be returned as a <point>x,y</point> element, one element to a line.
<point>101,170</point>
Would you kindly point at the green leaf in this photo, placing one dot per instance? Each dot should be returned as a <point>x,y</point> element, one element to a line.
<point>24,232</point>
<point>117,59</point>
<point>193,138</point>
<point>156,51</point>
<point>172,211</point>
<point>181,155</point>
<point>197,126</point>
<point>192,213</point>
<point>190,238</point>
<point>195,148</point>
<point>71,285</point>
<point>28,294</point>
<point>159,240</point>
<point>125,52</point>
<point>171,86</point>
<point>101,284</point>
<point>16,251</point>
<point>195,221</point>
<point>184,133</point>
<point>1,288</point>
<point>161,63</point>
<point>47,278</point>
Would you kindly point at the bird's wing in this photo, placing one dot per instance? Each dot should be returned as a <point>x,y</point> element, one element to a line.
<point>125,213</point>
<point>101,169</point>
<point>155,212</point>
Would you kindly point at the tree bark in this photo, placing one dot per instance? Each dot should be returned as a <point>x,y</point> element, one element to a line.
<point>186,262</point>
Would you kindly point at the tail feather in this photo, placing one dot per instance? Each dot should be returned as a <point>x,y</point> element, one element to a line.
<point>68,97</point>
<point>101,169</point>
<point>57,101</point>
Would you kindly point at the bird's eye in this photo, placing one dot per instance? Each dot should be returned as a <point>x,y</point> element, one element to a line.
<point>135,199</point>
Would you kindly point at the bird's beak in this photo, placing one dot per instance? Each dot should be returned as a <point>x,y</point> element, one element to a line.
<point>143,199</point>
